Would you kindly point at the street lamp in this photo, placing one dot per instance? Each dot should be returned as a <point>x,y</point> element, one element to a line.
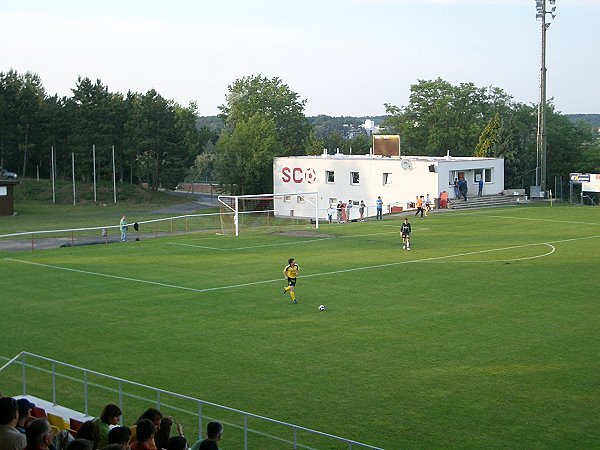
<point>541,15</point>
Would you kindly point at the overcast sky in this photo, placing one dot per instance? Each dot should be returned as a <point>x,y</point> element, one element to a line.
<point>346,57</point>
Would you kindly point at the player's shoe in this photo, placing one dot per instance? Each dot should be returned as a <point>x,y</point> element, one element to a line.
<point>284,291</point>
<point>404,247</point>
<point>407,248</point>
<point>295,301</point>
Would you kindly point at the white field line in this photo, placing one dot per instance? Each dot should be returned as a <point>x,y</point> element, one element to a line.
<point>280,244</point>
<point>552,250</point>
<point>535,220</point>
<point>278,280</point>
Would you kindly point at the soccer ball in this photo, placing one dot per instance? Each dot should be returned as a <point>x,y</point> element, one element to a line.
<point>321,307</point>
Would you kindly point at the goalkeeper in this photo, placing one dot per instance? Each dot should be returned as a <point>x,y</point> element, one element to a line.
<point>291,273</point>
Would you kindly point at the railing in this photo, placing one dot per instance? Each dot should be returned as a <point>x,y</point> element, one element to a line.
<point>88,391</point>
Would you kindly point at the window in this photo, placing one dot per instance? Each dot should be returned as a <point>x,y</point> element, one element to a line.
<point>485,174</point>
<point>287,198</point>
<point>387,179</point>
<point>333,201</point>
<point>329,176</point>
<point>354,178</point>
<point>300,199</point>
<point>488,176</point>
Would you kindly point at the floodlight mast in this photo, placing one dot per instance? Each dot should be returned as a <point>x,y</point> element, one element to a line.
<point>541,143</point>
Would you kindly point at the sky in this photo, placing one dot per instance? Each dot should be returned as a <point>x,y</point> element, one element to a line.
<point>344,57</point>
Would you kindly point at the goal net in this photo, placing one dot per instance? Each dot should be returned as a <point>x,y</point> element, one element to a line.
<point>268,212</point>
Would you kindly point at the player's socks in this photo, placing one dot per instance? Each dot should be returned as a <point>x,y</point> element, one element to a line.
<point>293,295</point>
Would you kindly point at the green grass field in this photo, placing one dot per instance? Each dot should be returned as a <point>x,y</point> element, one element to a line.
<point>484,335</point>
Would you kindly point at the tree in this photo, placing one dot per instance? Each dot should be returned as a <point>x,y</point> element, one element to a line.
<point>245,162</point>
<point>441,117</point>
<point>273,99</point>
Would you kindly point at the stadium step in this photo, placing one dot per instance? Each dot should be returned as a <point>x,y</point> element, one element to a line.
<point>486,201</point>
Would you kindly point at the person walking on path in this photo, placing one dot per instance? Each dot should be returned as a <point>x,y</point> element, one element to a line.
<point>419,206</point>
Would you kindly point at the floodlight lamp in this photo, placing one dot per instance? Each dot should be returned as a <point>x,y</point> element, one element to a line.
<point>539,16</point>
<point>552,2</point>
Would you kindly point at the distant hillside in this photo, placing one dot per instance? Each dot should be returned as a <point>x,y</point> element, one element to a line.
<point>592,119</point>
<point>322,124</point>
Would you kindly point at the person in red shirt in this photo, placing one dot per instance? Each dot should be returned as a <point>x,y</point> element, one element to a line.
<point>145,435</point>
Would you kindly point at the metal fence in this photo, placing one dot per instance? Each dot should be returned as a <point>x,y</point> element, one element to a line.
<point>87,391</point>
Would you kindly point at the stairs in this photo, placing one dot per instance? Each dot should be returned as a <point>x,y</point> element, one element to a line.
<point>487,201</point>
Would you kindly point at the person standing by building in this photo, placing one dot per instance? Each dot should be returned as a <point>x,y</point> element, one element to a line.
<point>361,210</point>
<point>348,210</point>
<point>123,227</point>
<point>291,273</point>
<point>427,205</point>
<point>419,206</point>
<point>463,188</point>
<point>339,209</point>
<point>330,213</point>
<point>480,193</point>
<point>379,208</point>
<point>405,234</point>
<point>456,188</point>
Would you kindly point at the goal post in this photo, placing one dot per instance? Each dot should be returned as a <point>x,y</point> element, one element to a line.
<point>269,211</point>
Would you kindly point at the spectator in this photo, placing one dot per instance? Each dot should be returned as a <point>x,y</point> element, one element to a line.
<point>361,210</point>
<point>419,206</point>
<point>120,436</point>
<point>348,210</point>
<point>480,193</point>
<point>80,444</point>
<point>330,212</point>
<point>144,436</point>
<point>177,443</point>
<point>10,437</point>
<point>110,416</point>
<point>339,209</point>
<point>123,226</point>
<point>456,188</point>
<point>427,205</point>
<point>39,434</point>
<point>379,208</point>
<point>214,431</point>
<point>162,435</point>
<point>24,406</point>
<point>152,414</point>
<point>89,430</point>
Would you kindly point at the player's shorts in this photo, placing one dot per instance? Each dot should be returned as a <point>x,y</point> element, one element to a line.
<point>404,235</point>
<point>291,281</point>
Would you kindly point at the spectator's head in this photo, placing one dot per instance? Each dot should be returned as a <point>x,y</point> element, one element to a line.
<point>9,411</point>
<point>24,408</point>
<point>39,434</point>
<point>153,415</point>
<point>145,430</point>
<point>89,430</point>
<point>177,443</point>
<point>80,444</point>
<point>214,430</point>
<point>119,435</point>
<point>113,447</point>
<point>111,414</point>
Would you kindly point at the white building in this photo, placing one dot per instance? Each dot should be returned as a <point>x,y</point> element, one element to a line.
<point>398,180</point>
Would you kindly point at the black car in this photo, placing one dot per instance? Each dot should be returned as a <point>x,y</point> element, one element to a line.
<point>8,174</point>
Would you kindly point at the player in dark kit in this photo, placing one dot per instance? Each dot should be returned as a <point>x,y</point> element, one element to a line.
<point>405,233</point>
<point>291,273</point>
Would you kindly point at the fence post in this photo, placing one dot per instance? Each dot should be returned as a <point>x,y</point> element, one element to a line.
<point>295,438</point>
<point>85,392</point>
<point>199,420</point>
<point>121,401</point>
<point>53,383</point>
<point>171,227</point>
<point>24,377</point>
<point>245,431</point>
<point>158,399</point>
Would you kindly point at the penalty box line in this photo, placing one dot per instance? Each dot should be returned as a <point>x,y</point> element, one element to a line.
<point>278,280</point>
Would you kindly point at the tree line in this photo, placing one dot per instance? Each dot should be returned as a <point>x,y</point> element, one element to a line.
<point>159,142</point>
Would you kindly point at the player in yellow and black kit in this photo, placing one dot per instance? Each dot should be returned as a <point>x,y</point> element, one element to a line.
<point>291,272</point>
